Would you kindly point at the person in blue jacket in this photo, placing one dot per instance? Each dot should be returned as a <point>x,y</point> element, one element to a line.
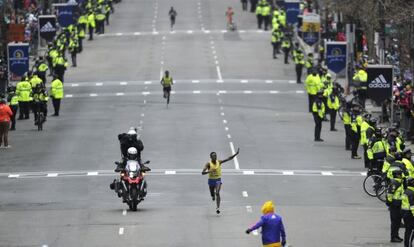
<point>273,231</point>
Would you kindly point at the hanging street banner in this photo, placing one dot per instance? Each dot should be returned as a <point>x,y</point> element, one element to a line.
<point>47,27</point>
<point>64,14</point>
<point>311,26</point>
<point>379,82</point>
<point>18,54</point>
<point>15,33</point>
<point>336,57</point>
<point>292,8</point>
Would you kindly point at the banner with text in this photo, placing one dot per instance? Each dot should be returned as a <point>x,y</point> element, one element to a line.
<point>292,8</point>
<point>336,58</point>
<point>64,14</point>
<point>47,27</point>
<point>379,82</point>
<point>311,26</point>
<point>18,54</point>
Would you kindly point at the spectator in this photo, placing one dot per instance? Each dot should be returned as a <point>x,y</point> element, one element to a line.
<point>5,114</point>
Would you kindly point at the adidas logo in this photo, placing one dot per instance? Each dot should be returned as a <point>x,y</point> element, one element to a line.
<point>379,82</point>
<point>48,27</point>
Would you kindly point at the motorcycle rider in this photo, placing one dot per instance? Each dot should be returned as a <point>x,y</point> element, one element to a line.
<point>126,141</point>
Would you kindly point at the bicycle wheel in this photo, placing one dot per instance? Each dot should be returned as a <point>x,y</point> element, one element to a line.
<point>373,185</point>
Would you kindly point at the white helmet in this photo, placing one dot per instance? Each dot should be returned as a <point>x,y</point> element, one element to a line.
<point>132,153</point>
<point>132,131</point>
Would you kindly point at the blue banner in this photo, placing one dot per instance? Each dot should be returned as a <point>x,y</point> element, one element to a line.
<point>292,11</point>
<point>65,14</point>
<point>310,38</point>
<point>336,56</point>
<point>18,54</point>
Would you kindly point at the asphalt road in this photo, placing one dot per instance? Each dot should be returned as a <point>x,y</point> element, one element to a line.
<point>229,93</point>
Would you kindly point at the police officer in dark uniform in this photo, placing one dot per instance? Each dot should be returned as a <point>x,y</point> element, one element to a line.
<point>394,199</point>
<point>127,140</point>
<point>318,112</point>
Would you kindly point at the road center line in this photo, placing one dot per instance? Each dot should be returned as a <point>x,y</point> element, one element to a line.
<point>121,231</point>
<point>236,161</point>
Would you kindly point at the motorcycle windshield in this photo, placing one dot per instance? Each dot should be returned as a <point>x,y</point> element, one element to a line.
<point>132,166</point>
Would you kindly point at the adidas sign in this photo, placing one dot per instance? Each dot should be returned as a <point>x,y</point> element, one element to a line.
<point>48,27</point>
<point>379,82</point>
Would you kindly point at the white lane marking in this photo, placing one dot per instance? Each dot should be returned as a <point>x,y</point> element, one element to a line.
<point>216,62</point>
<point>244,81</point>
<point>292,82</point>
<point>288,173</point>
<point>222,113</point>
<point>120,94</point>
<point>214,52</point>
<point>121,231</point>
<point>142,115</point>
<point>229,136</point>
<point>52,175</point>
<point>14,175</point>
<point>269,81</point>
<point>124,212</point>
<point>195,81</point>
<point>196,92</point>
<point>137,33</point>
<point>247,91</point>
<point>212,42</point>
<point>99,84</point>
<point>154,32</point>
<point>163,37</point>
<point>145,101</point>
<point>260,31</point>
<point>300,91</point>
<point>224,121</point>
<point>327,173</point>
<point>190,31</point>
<point>273,92</point>
<point>147,82</point>
<point>244,193</point>
<point>222,91</point>
<point>93,95</point>
<point>123,83</point>
<point>363,173</point>
<point>242,31</point>
<point>224,31</point>
<point>119,34</point>
<point>226,128</point>
<point>75,85</point>
<point>249,209</point>
<point>219,81</point>
<point>170,172</point>
<point>236,161</point>
<point>255,233</point>
<point>215,57</point>
<point>248,172</point>
<point>145,93</point>
<point>92,174</point>
<point>162,62</point>
<point>68,96</point>
<point>219,74</point>
<point>221,108</point>
<point>45,245</point>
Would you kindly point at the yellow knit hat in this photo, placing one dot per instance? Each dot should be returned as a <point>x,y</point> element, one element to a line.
<point>268,207</point>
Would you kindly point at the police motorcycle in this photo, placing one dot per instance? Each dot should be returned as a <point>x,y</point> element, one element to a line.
<point>131,186</point>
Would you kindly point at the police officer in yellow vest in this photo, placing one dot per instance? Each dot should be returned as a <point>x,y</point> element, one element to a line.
<point>24,91</point>
<point>346,118</point>
<point>406,159</point>
<point>266,11</point>
<point>309,63</point>
<point>367,131</point>
<point>408,212</point>
<point>13,102</point>
<point>361,77</point>
<point>259,16</point>
<point>376,151</point>
<point>299,60</point>
<point>276,34</point>
<point>356,121</point>
<point>394,194</point>
<point>41,68</point>
<point>91,24</point>
<point>56,94</point>
<point>100,21</point>
<point>312,85</point>
<point>333,106</point>
<point>286,48</point>
<point>82,23</point>
<point>35,80</point>
<point>318,112</point>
